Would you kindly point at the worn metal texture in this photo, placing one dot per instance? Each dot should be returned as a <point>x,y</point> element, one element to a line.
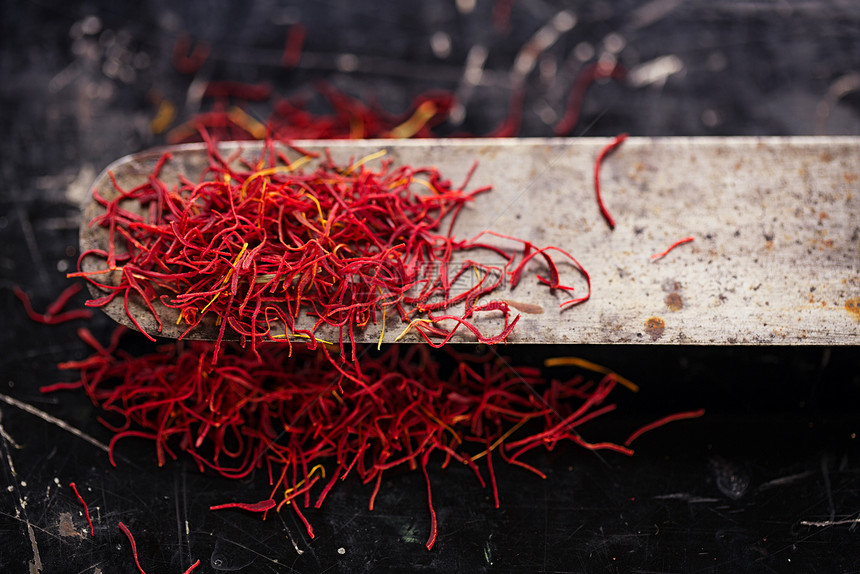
<point>776,225</point>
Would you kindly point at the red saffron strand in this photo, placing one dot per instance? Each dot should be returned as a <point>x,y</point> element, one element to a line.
<point>661,255</point>
<point>131,541</point>
<point>492,476</point>
<point>304,520</point>
<point>665,420</point>
<point>293,47</point>
<point>375,491</point>
<point>53,316</point>
<point>584,79</point>
<point>433,526</point>
<point>192,567</point>
<point>60,386</point>
<point>501,16</point>
<point>238,90</point>
<point>189,63</point>
<point>603,153</point>
<point>86,508</point>
<point>60,302</point>
<point>261,506</point>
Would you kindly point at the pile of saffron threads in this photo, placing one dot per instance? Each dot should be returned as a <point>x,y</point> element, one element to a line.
<point>307,422</point>
<point>226,118</point>
<point>259,246</point>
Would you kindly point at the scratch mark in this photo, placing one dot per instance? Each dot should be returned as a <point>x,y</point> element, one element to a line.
<point>652,12</point>
<point>176,495</point>
<point>545,527</point>
<point>17,517</point>
<point>36,564</point>
<point>8,454</point>
<point>32,246</point>
<point>825,473</point>
<point>292,539</point>
<point>299,551</point>
<point>824,523</point>
<point>53,420</point>
<point>783,480</point>
<point>6,436</point>
<point>685,497</point>
<point>222,566</point>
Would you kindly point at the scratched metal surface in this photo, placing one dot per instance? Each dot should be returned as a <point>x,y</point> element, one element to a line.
<point>775,257</point>
<point>767,481</point>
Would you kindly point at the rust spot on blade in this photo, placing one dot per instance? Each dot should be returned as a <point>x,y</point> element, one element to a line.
<point>674,301</point>
<point>654,326</point>
<point>527,308</point>
<point>852,305</point>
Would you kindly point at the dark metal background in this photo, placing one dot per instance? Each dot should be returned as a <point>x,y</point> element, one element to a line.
<point>739,490</point>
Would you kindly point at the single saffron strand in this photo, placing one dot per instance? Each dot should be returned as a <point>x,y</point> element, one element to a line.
<point>433,526</point>
<point>86,508</point>
<point>409,326</point>
<point>382,334</point>
<point>375,491</point>
<point>584,79</point>
<point>603,153</point>
<point>184,62</point>
<point>665,420</point>
<point>130,537</point>
<point>577,362</point>
<point>53,316</point>
<point>261,506</point>
<point>659,256</point>
<point>304,520</point>
<point>492,476</point>
<point>60,302</point>
<point>423,113</point>
<point>61,386</point>
<point>192,567</point>
<point>500,440</point>
<point>293,48</point>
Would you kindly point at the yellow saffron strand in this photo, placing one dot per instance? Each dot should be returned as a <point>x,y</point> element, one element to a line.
<point>365,159</point>
<point>422,114</point>
<point>319,207</point>
<point>302,336</point>
<point>272,170</point>
<point>409,326</point>
<point>577,362</point>
<point>426,184</point>
<point>226,279</point>
<point>477,273</point>
<point>164,116</point>
<point>241,118</point>
<point>441,423</point>
<point>500,440</point>
<point>319,467</point>
<point>382,334</point>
